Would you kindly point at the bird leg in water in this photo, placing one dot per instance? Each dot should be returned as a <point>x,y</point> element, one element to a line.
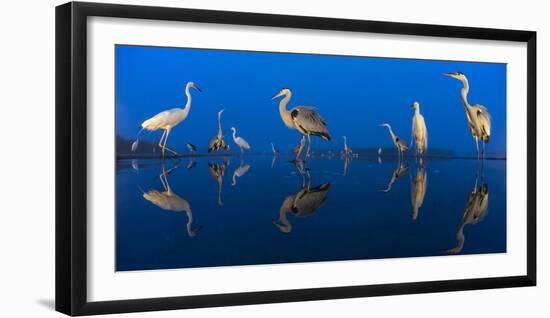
<point>167,131</point>
<point>477,147</point>
<point>308,145</point>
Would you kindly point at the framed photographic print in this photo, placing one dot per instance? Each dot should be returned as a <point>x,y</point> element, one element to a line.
<point>208,158</point>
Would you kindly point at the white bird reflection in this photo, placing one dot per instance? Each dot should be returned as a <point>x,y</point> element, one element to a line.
<point>419,186</point>
<point>304,203</point>
<point>475,211</point>
<point>170,201</point>
<point>239,172</point>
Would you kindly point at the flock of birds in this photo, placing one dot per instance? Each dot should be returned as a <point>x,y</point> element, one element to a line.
<point>308,122</point>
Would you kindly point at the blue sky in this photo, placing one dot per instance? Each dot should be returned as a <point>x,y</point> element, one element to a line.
<point>353,94</point>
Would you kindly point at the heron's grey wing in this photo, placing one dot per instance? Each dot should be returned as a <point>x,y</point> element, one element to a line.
<point>308,120</point>
<point>484,118</point>
<point>307,202</point>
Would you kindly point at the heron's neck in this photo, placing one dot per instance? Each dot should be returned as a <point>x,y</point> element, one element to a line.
<point>417,111</point>
<point>188,104</point>
<point>464,93</point>
<point>391,132</point>
<point>219,123</point>
<point>234,132</point>
<point>285,114</point>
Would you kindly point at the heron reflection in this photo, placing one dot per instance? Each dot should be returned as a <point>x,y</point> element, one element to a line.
<point>217,171</point>
<point>419,186</point>
<point>304,203</point>
<point>347,162</point>
<point>191,164</point>
<point>475,211</point>
<point>241,170</point>
<point>170,201</point>
<point>398,172</point>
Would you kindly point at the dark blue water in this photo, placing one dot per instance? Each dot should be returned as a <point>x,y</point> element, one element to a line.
<point>172,215</point>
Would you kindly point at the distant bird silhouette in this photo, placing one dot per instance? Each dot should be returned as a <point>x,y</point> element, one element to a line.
<point>192,148</point>
<point>167,120</point>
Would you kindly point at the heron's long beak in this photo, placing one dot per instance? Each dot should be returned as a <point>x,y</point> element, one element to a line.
<point>277,95</point>
<point>450,75</point>
<point>197,88</point>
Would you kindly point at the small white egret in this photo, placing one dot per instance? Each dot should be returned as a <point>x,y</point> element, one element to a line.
<point>167,120</point>
<point>243,144</point>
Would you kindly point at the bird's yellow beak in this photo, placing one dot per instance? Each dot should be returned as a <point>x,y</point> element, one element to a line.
<point>277,95</point>
<point>451,75</point>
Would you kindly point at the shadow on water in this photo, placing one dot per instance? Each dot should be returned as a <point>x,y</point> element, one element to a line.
<point>362,221</point>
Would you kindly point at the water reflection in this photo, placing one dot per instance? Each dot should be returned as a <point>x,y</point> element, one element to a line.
<point>304,203</point>
<point>419,185</point>
<point>475,211</point>
<point>170,201</point>
<point>217,171</point>
<point>191,164</point>
<point>398,172</point>
<point>347,162</point>
<point>239,172</point>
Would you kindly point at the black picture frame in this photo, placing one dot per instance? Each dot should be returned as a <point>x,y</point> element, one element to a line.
<point>71,157</point>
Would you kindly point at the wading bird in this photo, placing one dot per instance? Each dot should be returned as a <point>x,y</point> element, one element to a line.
<point>398,172</point>
<point>275,150</point>
<point>218,141</point>
<point>243,144</point>
<point>475,211</point>
<point>419,131</point>
<point>192,148</point>
<point>170,201</point>
<point>217,171</point>
<point>304,119</point>
<point>419,186</point>
<point>400,144</point>
<point>239,172</point>
<point>167,120</point>
<point>347,150</point>
<point>479,119</point>
<point>298,149</point>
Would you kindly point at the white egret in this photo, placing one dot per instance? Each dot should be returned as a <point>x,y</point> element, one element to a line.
<point>167,120</point>
<point>192,148</point>
<point>419,131</point>
<point>218,141</point>
<point>479,119</point>
<point>304,119</point>
<point>400,144</point>
<point>243,144</point>
<point>347,150</point>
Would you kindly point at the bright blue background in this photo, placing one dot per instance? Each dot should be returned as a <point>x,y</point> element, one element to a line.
<point>353,94</point>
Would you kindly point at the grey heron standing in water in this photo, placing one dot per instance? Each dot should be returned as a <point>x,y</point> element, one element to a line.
<point>167,120</point>
<point>399,143</point>
<point>419,131</point>
<point>305,120</point>
<point>479,119</point>
<point>218,141</point>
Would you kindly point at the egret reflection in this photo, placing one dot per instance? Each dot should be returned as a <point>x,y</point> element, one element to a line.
<point>475,211</point>
<point>304,203</point>
<point>419,185</point>
<point>170,201</point>
<point>217,171</point>
<point>241,170</point>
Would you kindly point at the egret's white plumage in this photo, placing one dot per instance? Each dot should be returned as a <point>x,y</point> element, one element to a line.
<point>305,120</point>
<point>239,172</point>
<point>243,144</point>
<point>419,185</point>
<point>419,131</point>
<point>167,120</point>
<point>479,119</point>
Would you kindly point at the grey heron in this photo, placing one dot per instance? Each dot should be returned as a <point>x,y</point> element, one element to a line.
<point>399,143</point>
<point>398,172</point>
<point>217,171</point>
<point>218,141</point>
<point>167,120</point>
<point>305,120</point>
<point>479,119</point>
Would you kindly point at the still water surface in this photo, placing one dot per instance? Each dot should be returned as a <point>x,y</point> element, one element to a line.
<point>223,211</point>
